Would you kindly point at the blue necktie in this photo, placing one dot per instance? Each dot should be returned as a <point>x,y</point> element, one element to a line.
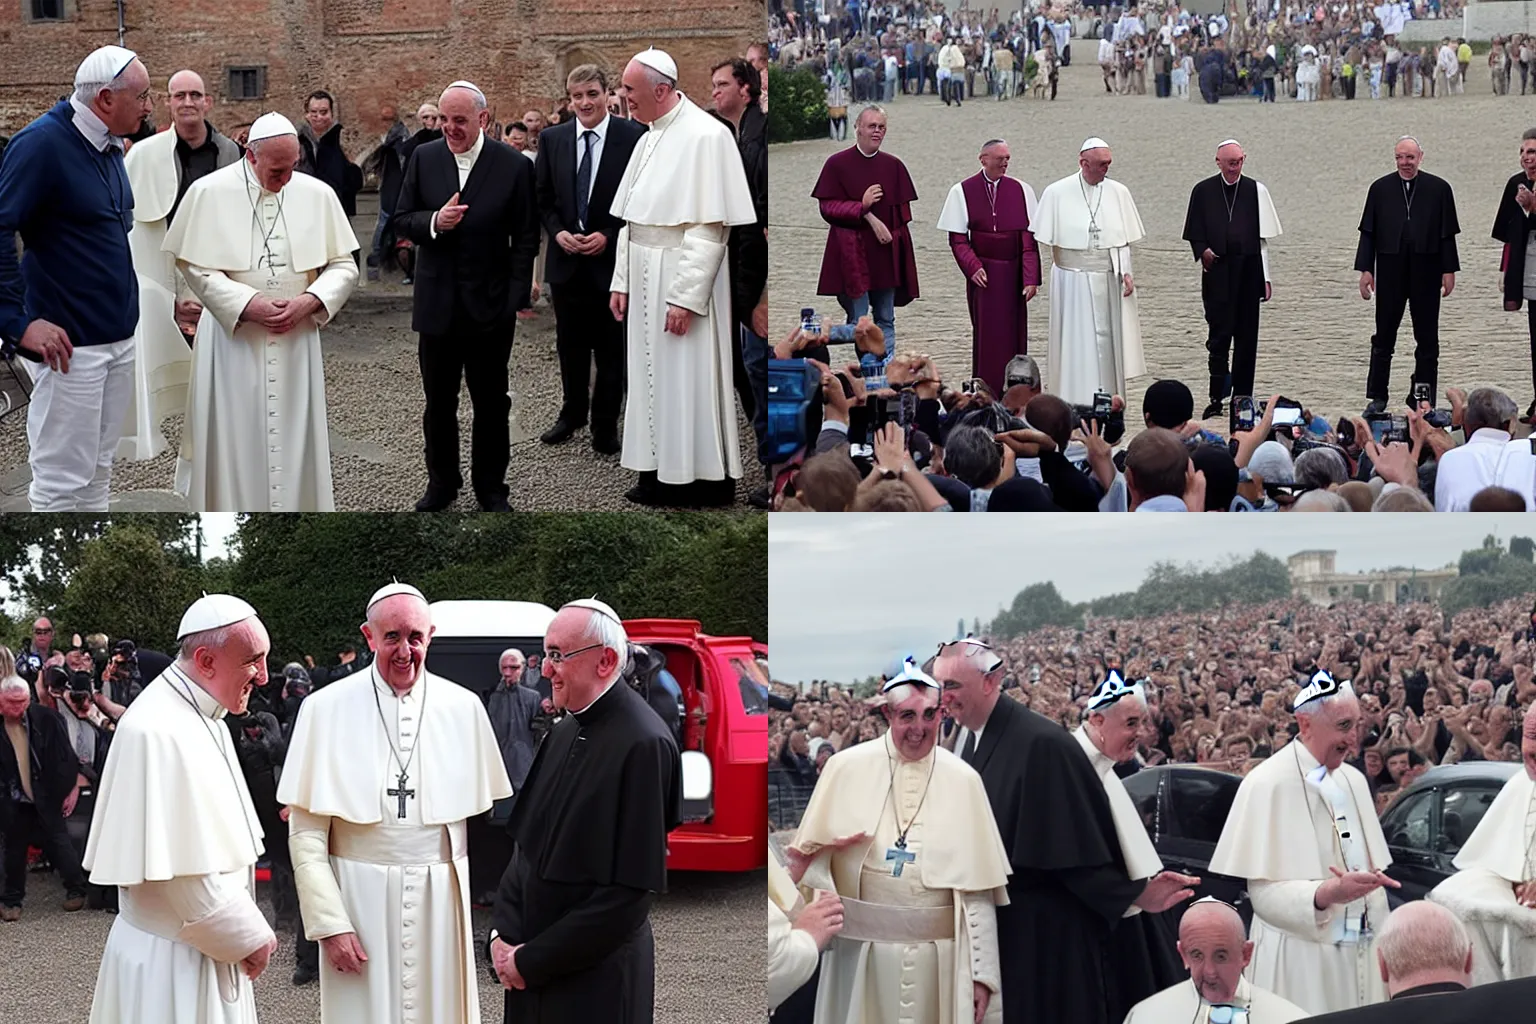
<point>584,179</point>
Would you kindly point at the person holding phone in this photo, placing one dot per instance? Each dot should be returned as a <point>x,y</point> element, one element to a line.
<point>1513,225</point>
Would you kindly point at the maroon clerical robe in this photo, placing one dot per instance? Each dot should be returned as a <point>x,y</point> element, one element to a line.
<point>855,261</point>
<point>1000,242</point>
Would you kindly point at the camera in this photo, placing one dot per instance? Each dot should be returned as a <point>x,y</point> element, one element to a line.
<point>1099,412</point>
<point>1386,428</point>
<point>1345,431</point>
<point>973,386</point>
<point>810,321</point>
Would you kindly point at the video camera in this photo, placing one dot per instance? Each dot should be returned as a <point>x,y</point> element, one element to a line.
<point>126,675</point>
<point>1111,423</point>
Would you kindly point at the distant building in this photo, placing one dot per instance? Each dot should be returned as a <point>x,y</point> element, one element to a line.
<point>1315,577</point>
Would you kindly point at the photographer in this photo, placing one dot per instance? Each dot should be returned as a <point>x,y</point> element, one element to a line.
<point>296,687</point>
<point>87,728</point>
<point>36,652</point>
<point>125,674</point>
<point>40,785</point>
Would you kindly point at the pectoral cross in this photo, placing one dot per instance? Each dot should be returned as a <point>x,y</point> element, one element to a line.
<point>901,857</point>
<point>402,793</point>
<point>1093,237</point>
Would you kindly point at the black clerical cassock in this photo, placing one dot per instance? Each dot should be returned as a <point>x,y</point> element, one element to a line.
<point>590,828</point>
<point>1516,229</point>
<point>1408,240</point>
<point>1232,220</point>
<point>1068,953</point>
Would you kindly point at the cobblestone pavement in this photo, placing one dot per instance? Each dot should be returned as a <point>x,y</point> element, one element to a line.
<point>374,405</point>
<point>1317,161</point>
<point>709,958</point>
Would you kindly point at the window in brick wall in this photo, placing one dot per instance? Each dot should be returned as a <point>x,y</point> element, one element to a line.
<point>247,83</point>
<point>48,10</point>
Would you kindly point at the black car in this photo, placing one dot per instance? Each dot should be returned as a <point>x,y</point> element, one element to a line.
<point>1434,817</point>
<point>1184,807</point>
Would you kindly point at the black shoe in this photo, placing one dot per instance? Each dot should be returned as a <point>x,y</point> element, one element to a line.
<point>642,495</point>
<point>761,498</point>
<point>303,975</point>
<point>606,442</point>
<point>1214,409</point>
<point>436,499</point>
<point>407,279</point>
<point>1375,407</point>
<point>496,504</point>
<point>561,431</point>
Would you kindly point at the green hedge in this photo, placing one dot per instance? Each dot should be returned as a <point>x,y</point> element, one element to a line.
<point>798,105</point>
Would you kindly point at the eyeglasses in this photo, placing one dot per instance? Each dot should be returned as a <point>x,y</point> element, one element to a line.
<point>42,630</point>
<point>556,658</point>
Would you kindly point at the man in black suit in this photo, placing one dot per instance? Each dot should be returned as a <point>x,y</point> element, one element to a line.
<point>468,204</point>
<point>578,168</point>
<point>1425,958</point>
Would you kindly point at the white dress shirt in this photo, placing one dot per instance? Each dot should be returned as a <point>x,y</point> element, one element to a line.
<point>93,128</point>
<point>1488,459</point>
<point>466,164</point>
<point>601,131</point>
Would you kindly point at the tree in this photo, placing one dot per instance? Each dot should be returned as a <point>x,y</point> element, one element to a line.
<point>1522,548</point>
<point>39,552</point>
<point>1488,575</point>
<point>1037,605</point>
<point>127,585</point>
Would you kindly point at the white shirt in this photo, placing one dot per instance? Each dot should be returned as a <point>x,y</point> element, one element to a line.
<point>93,128</point>
<point>466,164</point>
<point>1488,459</point>
<point>600,136</point>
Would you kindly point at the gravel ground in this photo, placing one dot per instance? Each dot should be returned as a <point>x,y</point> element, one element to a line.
<point>702,974</point>
<point>374,404</point>
<point>1317,162</point>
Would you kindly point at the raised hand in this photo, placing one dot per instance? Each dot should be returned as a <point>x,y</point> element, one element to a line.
<point>1166,889</point>
<point>1348,886</point>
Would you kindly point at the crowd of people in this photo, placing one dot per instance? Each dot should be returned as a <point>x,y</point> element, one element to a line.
<point>1364,697</point>
<point>152,327</point>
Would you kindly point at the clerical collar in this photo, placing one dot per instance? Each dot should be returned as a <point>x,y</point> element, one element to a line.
<point>1430,990</point>
<point>1224,180</point>
<point>206,703</point>
<point>473,152</point>
<point>589,712</point>
<point>665,120</point>
<point>389,691</point>
<point>989,180</point>
<point>95,130</point>
<point>892,752</point>
<point>866,156</point>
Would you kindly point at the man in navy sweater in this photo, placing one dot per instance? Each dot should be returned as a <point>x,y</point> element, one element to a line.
<point>71,305</point>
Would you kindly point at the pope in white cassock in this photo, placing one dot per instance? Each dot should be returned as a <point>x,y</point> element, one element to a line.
<point>1303,831</point>
<point>1090,222</point>
<point>269,254</point>
<point>1212,947</point>
<point>174,829</point>
<point>901,829</point>
<point>163,360</point>
<point>383,769</point>
<point>683,190</point>
<point>1493,891</point>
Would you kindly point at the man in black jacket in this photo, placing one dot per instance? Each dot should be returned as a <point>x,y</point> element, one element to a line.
<point>736,94</point>
<point>578,167</point>
<point>320,152</point>
<point>468,204</point>
<point>390,164</point>
<point>39,785</point>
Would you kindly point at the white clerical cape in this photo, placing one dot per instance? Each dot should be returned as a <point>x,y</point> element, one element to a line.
<point>952,887</point>
<point>1500,854</point>
<point>1141,859</point>
<point>1300,953</point>
<point>792,954</point>
<point>1095,341</point>
<point>683,190</point>
<point>175,830</point>
<point>956,215</point>
<point>163,362</point>
<point>1181,1003</point>
<point>255,437</point>
<point>401,882</point>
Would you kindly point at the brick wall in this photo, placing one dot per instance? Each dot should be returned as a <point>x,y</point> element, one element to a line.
<point>367,52</point>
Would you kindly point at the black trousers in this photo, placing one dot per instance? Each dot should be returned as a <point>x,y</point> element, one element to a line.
<point>481,358</point>
<point>50,834</point>
<point>1410,280</point>
<point>585,331</point>
<point>1232,300</point>
<point>1530,308</point>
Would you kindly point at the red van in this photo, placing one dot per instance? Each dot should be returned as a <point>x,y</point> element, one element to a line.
<point>724,687</point>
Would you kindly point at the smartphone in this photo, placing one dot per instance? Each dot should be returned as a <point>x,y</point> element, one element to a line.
<point>1286,416</point>
<point>974,385</point>
<point>1243,413</point>
<point>1103,405</point>
<point>1421,394</point>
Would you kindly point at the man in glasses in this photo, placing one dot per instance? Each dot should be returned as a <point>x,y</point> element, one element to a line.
<point>1493,891</point>
<point>1070,889</point>
<point>570,933</point>
<point>1303,832</point>
<point>1211,942</point>
<point>900,829</point>
<point>36,652</point>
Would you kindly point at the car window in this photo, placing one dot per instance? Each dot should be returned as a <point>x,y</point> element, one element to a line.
<point>1143,790</point>
<point>1410,821</point>
<point>753,682</point>
<point>1460,811</point>
<point>1199,803</point>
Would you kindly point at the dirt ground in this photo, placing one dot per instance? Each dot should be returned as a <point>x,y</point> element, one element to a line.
<point>1317,162</point>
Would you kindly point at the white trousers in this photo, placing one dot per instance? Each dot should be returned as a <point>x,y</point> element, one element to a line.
<point>74,424</point>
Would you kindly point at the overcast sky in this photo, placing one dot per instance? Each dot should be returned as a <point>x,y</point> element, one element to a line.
<point>850,593</point>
